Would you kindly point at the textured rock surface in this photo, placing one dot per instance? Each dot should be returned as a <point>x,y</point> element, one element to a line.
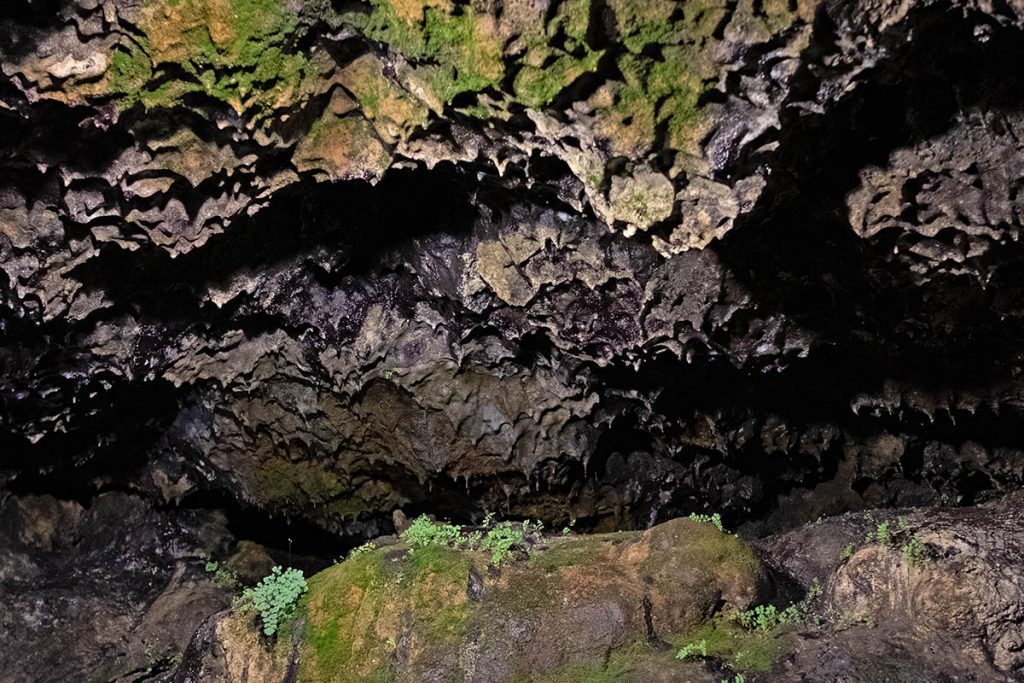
<point>953,615</point>
<point>288,250</point>
<point>594,608</point>
<point>609,261</point>
<point>434,614</point>
<point>111,591</point>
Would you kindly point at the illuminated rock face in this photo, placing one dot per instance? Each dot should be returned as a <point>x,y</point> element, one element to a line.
<point>609,262</point>
<point>606,261</point>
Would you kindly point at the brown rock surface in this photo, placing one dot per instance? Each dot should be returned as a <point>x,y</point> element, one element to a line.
<point>954,613</point>
<point>434,614</point>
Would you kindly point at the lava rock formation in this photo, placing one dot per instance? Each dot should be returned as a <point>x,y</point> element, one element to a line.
<point>294,265</point>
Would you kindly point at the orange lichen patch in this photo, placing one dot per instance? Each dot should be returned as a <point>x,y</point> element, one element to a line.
<point>191,157</point>
<point>221,22</point>
<point>243,653</point>
<point>174,29</point>
<point>392,109</point>
<point>482,47</point>
<point>581,582</point>
<point>342,148</point>
<point>183,30</point>
<point>412,11</point>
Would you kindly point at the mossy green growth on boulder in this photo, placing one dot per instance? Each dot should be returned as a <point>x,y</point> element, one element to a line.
<point>240,52</point>
<point>463,48</point>
<point>660,91</point>
<point>556,55</point>
<point>675,53</point>
<point>358,611</point>
<point>746,651</point>
<point>538,86</point>
<point>393,111</point>
<point>437,613</point>
<point>341,148</point>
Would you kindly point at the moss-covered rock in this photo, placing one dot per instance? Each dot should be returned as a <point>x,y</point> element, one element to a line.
<point>239,52</point>
<point>462,47</point>
<point>393,111</point>
<point>436,613</point>
<point>642,199</point>
<point>612,90</point>
<point>341,148</point>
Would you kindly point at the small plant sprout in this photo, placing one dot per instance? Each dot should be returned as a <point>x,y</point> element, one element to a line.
<point>715,520</point>
<point>504,539</point>
<point>275,597</point>
<point>363,549</point>
<point>882,534</point>
<point>423,532</point>
<point>765,618</point>
<point>222,576</point>
<point>693,650</point>
<point>914,552</point>
<point>899,536</point>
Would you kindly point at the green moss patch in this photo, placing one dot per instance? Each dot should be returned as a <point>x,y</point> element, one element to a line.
<point>575,551</point>
<point>435,576</point>
<point>342,607</point>
<point>462,49</point>
<point>240,52</point>
<point>673,57</point>
<point>358,610</point>
<point>742,650</point>
<point>638,662</point>
<point>579,673</point>
<point>546,70</point>
<point>536,87</point>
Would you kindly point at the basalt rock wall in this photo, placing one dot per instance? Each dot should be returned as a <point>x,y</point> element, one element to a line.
<point>604,260</point>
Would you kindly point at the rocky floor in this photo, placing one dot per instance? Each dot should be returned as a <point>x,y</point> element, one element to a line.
<point>112,590</point>
<point>115,591</point>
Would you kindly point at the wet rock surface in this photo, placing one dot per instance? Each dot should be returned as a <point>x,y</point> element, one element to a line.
<point>112,590</point>
<point>434,614</point>
<point>952,613</point>
<point>305,263</point>
<point>619,606</point>
<point>282,252</point>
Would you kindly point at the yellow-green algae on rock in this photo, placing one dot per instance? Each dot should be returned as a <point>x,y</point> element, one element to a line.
<point>240,52</point>
<point>579,606</point>
<point>464,49</point>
